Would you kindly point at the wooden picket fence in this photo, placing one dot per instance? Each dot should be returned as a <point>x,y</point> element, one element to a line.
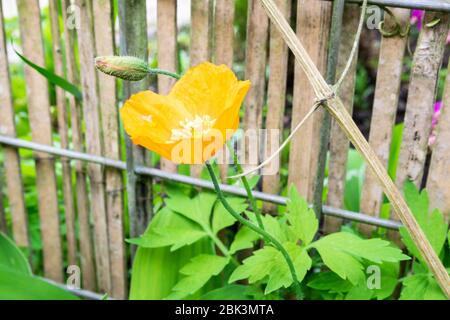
<point>94,195</point>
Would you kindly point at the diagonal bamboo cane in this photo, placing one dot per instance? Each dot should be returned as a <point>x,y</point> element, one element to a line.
<point>336,108</point>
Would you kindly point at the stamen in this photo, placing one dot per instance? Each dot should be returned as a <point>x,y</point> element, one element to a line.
<point>192,128</point>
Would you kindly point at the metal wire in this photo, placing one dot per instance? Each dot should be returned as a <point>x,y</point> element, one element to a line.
<point>433,5</point>
<point>156,173</point>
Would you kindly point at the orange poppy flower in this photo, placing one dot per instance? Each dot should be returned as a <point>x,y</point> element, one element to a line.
<point>193,122</point>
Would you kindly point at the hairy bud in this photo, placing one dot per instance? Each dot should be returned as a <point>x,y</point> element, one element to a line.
<point>123,67</point>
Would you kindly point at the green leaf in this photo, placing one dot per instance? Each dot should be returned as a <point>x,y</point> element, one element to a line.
<point>359,292</point>
<point>197,209</point>
<point>274,227</point>
<point>169,229</point>
<point>269,263</point>
<point>11,257</point>
<point>244,239</point>
<point>433,225</point>
<point>332,283</point>
<point>342,252</point>
<point>329,281</point>
<point>229,292</point>
<point>53,78</point>
<point>304,223</point>
<point>21,286</point>
<point>156,270</point>
<point>222,218</point>
<point>198,271</point>
<point>421,287</point>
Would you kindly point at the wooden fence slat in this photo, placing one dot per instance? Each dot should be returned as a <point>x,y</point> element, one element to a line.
<point>224,48</point>
<point>13,175</point>
<point>104,42</point>
<point>40,122</point>
<point>420,106</point>
<point>255,71</point>
<point>387,91</point>
<point>200,50</point>
<point>276,99</point>
<point>422,91</point>
<point>167,54</point>
<point>313,20</point>
<point>94,144</point>
<point>438,185</point>
<point>69,208</point>
<point>82,201</point>
<point>134,41</point>
<point>3,226</point>
<point>339,144</point>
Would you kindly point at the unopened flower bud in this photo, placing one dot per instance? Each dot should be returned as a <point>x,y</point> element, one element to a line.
<point>123,67</point>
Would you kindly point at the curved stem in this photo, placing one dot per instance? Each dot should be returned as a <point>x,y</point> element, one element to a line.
<point>223,248</point>
<point>165,73</point>
<point>255,228</point>
<point>247,188</point>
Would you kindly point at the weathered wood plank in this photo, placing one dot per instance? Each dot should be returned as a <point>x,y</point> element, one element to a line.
<point>422,91</point>
<point>313,21</point>
<point>61,106</point>
<point>167,54</point>
<point>82,201</point>
<point>276,101</point>
<point>104,42</point>
<point>13,175</point>
<point>420,106</point>
<point>255,71</point>
<point>40,122</point>
<point>133,41</point>
<point>390,67</point>
<point>438,185</point>
<point>200,49</point>
<point>224,48</point>
<point>3,226</point>
<point>94,144</point>
<point>339,144</point>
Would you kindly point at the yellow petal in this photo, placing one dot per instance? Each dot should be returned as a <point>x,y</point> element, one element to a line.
<point>152,116</point>
<point>204,89</point>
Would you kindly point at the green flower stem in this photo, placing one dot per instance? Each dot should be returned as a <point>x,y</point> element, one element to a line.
<point>165,73</point>
<point>222,248</point>
<point>247,188</point>
<point>255,228</point>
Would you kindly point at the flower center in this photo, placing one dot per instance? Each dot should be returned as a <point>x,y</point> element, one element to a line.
<point>192,128</point>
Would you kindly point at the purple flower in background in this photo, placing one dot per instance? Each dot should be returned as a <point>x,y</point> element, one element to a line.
<point>417,17</point>
<point>435,121</point>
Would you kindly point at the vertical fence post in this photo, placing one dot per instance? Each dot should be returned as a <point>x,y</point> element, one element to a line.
<point>384,112</point>
<point>276,100</point>
<point>167,54</point>
<point>69,208</point>
<point>104,42</point>
<point>40,122</point>
<point>255,71</point>
<point>82,202</point>
<point>438,185</point>
<point>200,49</point>
<point>325,125</point>
<point>94,143</point>
<point>133,41</point>
<point>312,27</point>
<point>224,49</point>
<point>427,62</point>
<point>13,175</point>
<point>339,144</point>
<point>3,226</point>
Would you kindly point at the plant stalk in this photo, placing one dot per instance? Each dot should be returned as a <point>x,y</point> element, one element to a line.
<point>247,188</point>
<point>255,228</point>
